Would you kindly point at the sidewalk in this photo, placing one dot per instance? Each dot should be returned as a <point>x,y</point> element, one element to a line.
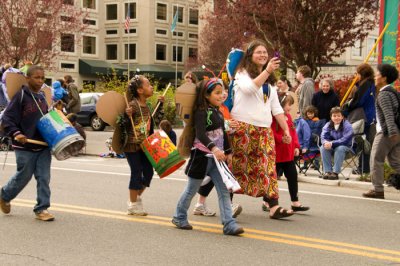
<point>96,145</point>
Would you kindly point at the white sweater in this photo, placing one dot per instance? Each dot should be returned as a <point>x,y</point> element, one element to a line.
<point>248,102</point>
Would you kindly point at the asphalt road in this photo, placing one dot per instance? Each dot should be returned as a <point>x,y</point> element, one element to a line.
<point>89,197</point>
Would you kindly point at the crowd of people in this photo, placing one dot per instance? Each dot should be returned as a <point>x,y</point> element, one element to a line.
<point>269,126</point>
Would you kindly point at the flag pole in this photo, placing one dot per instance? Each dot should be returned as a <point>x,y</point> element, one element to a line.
<point>176,61</point>
<point>173,27</point>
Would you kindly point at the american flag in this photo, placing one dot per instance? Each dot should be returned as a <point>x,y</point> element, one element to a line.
<point>128,18</point>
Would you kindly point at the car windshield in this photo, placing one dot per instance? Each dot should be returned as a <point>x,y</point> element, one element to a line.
<point>89,98</point>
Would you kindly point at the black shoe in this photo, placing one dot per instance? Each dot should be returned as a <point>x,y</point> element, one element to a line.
<point>183,227</point>
<point>333,176</point>
<point>300,208</point>
<point>327,175</point>
<point>235,232</point>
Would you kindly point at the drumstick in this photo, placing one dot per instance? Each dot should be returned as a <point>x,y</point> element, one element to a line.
<point>35,142</point>
<point>158,104</point>
<point>133,124</point>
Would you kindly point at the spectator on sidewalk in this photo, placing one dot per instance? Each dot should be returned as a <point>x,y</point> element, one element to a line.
<point>306,89</point>
<point>362,106</point>
<point>325,99</point>
<point>74,101</point>
<point>336,140</point>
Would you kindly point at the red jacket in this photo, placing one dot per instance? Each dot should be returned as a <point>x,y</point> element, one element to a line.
<point>285,152</point>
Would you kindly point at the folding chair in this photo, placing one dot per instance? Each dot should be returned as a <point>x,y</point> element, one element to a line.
<point>358,147</point>
<point>308,159</point>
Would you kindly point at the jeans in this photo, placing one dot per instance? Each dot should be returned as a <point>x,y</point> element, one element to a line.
<point>339,156</point>
<point>28,164</point>
<point>141,170</point>
<point>224,201</point>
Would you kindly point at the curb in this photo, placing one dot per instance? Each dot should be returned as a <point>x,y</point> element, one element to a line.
<point>312,180</point>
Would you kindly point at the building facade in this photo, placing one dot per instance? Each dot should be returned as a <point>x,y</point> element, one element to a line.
<point>148,45</point>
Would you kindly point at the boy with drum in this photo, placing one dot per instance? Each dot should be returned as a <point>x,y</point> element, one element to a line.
<point>19,121</point>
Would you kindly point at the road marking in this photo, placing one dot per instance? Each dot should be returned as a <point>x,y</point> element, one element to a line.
<point>185,180</point>
<point>294,240</point>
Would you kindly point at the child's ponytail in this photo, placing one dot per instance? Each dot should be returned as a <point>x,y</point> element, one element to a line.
<point>134,84</point>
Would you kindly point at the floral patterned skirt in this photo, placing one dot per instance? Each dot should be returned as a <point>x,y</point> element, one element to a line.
<point>253,161</point>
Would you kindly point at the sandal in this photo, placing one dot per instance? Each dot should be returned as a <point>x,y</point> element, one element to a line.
<point>300,208</point>
<point>280,213</point>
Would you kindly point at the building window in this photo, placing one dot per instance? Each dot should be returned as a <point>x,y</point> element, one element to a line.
<point>370,43</point>
<point>193,36</point>
<point>356,49</point>
<point>131,31</point>
<point>89,45</point>
<point>194,16</point>
<point>161,52</point>
<point>68,65</point>
<point>46,38</point>
<point>132,10</point>
<point>111,52</point>
<point>48,81</point>
<point>43,15</point>
<point>178,33</point>
<point>111,32</point>
<point>19,37</point>
<point>180,54</point>
<point>112,12</point>
<point>161,32</point>
<point>180,13</point>
<point>131,51</point>
<point>66,19</point>
<point>90,22</point>
<point>161,11</point>
<point>192,52</point>
<point>68,2</point>
<point>89,4</point>
<point>67,43</point>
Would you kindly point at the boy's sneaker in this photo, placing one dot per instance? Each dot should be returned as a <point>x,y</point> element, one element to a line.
<point>5,206</point>
<point>236,232</point>
<point>183,227</point>
<point>236,210</point>
<point>136,208</point>
<point>201,209</point>
<point>44,216</point>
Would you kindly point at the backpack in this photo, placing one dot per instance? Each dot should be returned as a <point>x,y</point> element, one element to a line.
<point>397,114</point>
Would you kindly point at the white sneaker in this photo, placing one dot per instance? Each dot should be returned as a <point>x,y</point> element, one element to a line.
<point>136,208</point>
<point>236,210</point>
<point>201,209</point>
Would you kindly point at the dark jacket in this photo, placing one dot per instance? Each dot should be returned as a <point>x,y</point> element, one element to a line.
<point>365,97</point>
<point>324,102</point>
<point>74,101</point>
<point>205,121</point>
<point>21,117</point>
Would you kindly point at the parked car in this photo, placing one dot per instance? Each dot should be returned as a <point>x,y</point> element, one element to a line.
<point>88,116</point>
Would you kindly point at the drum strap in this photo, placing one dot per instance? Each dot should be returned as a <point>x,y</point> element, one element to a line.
<point>37,103</point>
